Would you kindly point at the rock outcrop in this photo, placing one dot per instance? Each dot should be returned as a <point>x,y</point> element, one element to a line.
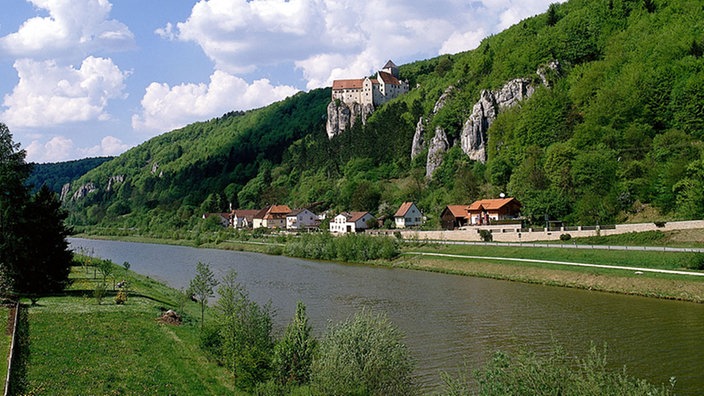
<point>438,144</point>
<point>418,144</point>
<point>84,190</point>
<point>473,136</point>
<point>342,116</point>
<point>436,150</point>
<point>65,189</point>
<point>113,180</point>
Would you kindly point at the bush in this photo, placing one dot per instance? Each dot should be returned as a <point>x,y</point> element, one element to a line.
<point>121,297</point>
<point>565,237</point>
<point>364,355</point>
<point>695,262</point>
<point>486,236</point>
<point>554,374</point>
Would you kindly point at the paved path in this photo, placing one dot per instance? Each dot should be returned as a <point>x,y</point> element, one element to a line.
<point>567,263</point>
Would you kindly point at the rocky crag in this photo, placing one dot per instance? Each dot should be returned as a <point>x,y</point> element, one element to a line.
<point>342,116</point>
<point>473,136</point>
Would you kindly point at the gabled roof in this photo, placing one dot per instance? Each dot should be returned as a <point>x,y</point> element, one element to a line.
<point>354,216</point>
<point>277,211</point>
<point>356,83</point>
<point>246,213</point>
<point>388,78</point>
<point>389,65</point>
<point>405,207</point>
<point>457,210</point>
<point>491,204</point>
<point>296,212</point>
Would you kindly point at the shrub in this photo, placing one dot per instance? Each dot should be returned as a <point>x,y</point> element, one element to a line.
<point>565,237</point>
<point>526,373</point>
<point>99,292</point>
<point>695,262</point>
<point>364,355</point>
<point>486,236</point>
<point>121,297</point>
<point>293,354</point>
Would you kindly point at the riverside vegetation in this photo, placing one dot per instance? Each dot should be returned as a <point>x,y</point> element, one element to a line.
<point>81,345</point>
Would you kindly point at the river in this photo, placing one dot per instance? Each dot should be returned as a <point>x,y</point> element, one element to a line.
<point>451,322</point>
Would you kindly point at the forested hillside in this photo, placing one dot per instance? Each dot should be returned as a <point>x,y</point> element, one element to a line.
<point>56,175</point>
<point>616,129</point>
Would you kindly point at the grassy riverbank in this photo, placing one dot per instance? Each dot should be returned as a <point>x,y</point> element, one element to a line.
<point>79,346</point>
<point>679,287</point>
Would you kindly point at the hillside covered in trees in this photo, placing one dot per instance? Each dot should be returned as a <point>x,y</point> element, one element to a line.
<point>617,128</point>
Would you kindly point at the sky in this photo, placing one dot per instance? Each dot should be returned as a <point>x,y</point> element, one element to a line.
<point>87,78</point>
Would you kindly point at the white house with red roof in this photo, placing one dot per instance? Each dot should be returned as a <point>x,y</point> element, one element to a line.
<point>348,222</point>
<point>375,91</point>
<point>408,215</point>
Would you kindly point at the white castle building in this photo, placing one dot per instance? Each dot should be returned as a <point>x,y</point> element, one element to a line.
<point>374,91</point>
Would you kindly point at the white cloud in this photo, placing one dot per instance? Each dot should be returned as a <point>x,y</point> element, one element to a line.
<point>73,27</point>
<point>327,39</point>
<point>165,108</point>
<point>61,148</point>
<point>48,94</point>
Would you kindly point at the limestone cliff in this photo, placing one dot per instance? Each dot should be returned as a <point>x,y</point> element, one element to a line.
<point>438,144</point>
<point>342,116</point>
<point>473,136</point>
<point>436,150</point>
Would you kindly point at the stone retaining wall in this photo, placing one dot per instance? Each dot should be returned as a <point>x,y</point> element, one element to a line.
<point>514,233</point>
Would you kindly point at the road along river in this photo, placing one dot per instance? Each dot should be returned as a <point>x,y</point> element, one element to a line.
<point>451,322</point>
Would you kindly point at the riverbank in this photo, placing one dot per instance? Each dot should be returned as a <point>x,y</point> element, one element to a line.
<point>667,286</point>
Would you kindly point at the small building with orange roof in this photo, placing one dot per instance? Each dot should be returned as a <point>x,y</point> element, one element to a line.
<point>484,211</point>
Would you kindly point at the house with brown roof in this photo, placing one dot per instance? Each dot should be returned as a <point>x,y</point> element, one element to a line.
<point>481,212</point>
<point>273,216</point>
<point>348,222</point>
<point>242,218</point>
<point>485,211</point>
<point>222,218</point>
<point>454,216</point>
<point>368,90</point>
<point>408,215</point>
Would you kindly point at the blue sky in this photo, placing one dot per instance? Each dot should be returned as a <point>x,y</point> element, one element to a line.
<point>83,78</point>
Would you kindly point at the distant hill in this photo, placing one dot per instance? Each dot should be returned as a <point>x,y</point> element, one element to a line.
<point>587,114</point>
<point>55,175</point>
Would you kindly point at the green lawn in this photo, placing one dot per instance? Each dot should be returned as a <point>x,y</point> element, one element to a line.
<point>629,258</point>
<point>80,347</point>
<point>5,341</point>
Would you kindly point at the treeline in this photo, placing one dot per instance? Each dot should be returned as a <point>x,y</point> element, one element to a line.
<point>618,130</point>
<point>56,175</point>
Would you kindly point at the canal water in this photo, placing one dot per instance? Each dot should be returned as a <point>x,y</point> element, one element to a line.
<point>451,322</point>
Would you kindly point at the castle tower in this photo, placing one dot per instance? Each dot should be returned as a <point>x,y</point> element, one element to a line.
<point>391,68</point>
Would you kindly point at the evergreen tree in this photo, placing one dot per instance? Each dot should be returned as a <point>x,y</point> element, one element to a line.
<point>34,255</point>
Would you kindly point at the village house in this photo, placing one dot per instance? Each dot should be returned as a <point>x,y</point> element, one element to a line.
<point>374,91</point>
<point>486,211</point>
<point>481,212</point>
<point>349,222</point>
<point>408,215</point>
<point>223,218</point>
<point>301,219</point>
<point>454,216</point>
<point>273,216</point>
<point>242,218</point>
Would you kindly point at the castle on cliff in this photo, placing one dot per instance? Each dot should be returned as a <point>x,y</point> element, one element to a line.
<point>374,91</point>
